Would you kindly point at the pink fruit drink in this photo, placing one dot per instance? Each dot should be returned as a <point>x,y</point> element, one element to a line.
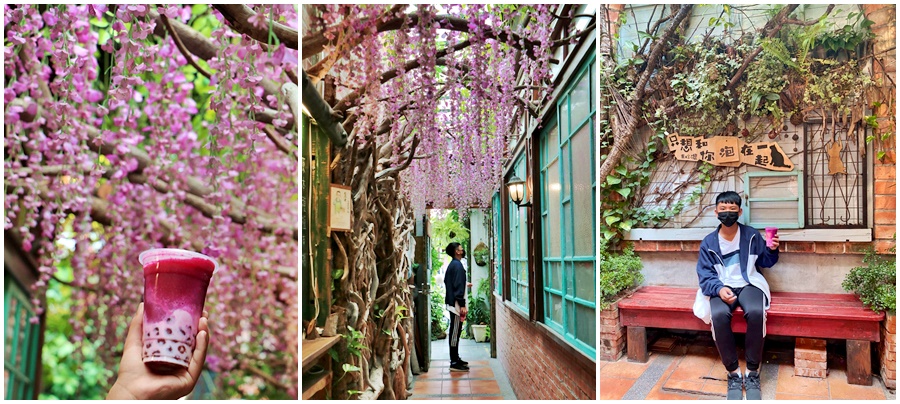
<point>175,284</point>
<point>770,232</point>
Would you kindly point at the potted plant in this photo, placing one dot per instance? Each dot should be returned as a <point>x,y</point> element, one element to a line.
<point>479,314</point>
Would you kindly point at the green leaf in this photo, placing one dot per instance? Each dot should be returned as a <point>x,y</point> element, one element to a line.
<point>350,368</point>
<point>625,192</point>
<point>338,273</point>
<point>881,154</point>
<point>612,219</point>
<point>610,180</point>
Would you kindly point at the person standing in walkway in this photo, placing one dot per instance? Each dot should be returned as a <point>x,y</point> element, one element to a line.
<point>728,273</point>
<point>455,299</point>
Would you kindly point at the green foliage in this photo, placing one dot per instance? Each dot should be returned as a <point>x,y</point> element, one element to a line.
<point>449,229</point>
<point>479,312</point>
<point>436,301</point>
<point>355,342</point>
<point>875,283</point>
<point>618,272</point>
<point>71,369</point>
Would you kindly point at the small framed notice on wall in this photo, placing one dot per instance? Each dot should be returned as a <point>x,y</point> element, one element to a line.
<point>340,208</point>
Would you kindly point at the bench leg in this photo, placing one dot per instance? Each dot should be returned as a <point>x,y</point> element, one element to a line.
<point>637,344</point>
<point>859,362</point>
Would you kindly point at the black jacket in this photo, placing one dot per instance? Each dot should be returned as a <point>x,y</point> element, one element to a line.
<point>455,283</point>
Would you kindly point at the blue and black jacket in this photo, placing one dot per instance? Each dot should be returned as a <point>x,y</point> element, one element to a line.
<point>753,255</point>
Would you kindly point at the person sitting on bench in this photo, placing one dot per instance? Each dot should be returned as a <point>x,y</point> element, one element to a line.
<point>727,269</point>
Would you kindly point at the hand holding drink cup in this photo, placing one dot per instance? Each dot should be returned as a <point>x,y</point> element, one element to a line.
<point>175,285</point>
<point>772,238</point>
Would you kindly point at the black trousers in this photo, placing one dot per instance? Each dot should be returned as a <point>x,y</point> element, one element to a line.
<point>453,336</point>
<point>751,300</point>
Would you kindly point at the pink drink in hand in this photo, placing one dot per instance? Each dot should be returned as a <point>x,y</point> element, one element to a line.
<point>770,232</point>
<point>175,283</point>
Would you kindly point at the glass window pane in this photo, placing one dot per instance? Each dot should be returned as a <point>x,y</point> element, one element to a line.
<point>586,325</point>
<point>583,192</point>
<point>523,233</point>
<point>20,346</point>
<point>555,308</point>
<point>553,143</point>
<point>570,317</point>
<point>581,100</point>
<point>584,280</point>
<point>564,114</point>
<point>569,278</point>
<point>774,187</point>
<point>10,325</point>
<point>567,232</point>
<point>564,158</point>
<point>593,85</point>
<point>781,214</point>
<point>555,275</point>
<point>551,233</point>
<point>523,296</point>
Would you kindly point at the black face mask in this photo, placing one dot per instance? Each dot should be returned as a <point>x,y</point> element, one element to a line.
<point>728,218</point>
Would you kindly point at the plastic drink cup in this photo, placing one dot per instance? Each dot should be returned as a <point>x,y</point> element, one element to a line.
<point>770,232</point>
<point>175,284</point>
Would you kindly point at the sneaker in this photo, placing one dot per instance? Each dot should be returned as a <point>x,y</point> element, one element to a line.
<point>735,386</point>
<point>752,384</point>
<point>462,362</point>
<point>457,367</point>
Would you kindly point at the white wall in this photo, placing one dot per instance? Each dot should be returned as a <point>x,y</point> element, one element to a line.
<point>794,272</point>
<point>478,233</point>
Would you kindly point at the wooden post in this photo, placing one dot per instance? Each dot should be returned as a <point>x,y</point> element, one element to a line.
<point>637,344</point>
<point>859,362</point>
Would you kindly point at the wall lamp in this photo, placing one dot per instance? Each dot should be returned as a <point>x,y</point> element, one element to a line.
<point>516,187</point>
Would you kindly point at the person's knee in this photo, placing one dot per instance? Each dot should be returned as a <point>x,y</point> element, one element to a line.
<point>721,317</point>
<point>754,314</point>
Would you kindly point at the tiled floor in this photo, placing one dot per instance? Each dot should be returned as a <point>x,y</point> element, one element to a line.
<point>693,370</point>
<point>485,379</point>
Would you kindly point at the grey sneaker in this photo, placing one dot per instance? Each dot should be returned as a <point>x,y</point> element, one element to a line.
<point>735,386</point>
<point>752,384</point>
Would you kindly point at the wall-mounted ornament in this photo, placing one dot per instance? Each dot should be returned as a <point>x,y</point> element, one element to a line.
<point>835,165</point>
<point>729,151</point>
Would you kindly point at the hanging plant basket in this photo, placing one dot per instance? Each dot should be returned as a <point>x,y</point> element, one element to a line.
<point>481,254</point>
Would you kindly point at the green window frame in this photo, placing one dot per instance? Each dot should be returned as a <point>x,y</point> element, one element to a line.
<point>518,246</point>
<point>21,342</point>
<point>498,245</point>
<point>777,201</point>
<point>569,261</point>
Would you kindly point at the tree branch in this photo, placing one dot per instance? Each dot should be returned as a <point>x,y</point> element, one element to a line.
<point>180,45</point>
<point>351,98</point>
<point>314,44</point>
<point>238,16</point>
<point>412,152</point>
<point>322,112</point>
<point>280,143</point>
<point>769,30</point>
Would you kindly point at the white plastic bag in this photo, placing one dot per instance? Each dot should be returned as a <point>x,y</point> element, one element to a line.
<point>701,307</point>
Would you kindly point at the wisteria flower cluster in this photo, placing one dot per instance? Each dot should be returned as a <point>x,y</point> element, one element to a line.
<point>114,131</point>
<point>449,76</point>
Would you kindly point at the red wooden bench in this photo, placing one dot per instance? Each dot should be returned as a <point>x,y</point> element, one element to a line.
<point>809,315</point>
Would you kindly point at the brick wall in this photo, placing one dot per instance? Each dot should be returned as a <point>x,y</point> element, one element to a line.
<point>612,335</point>
<point>537,366</point>
<point>888,348</point>
<point>885,73</point>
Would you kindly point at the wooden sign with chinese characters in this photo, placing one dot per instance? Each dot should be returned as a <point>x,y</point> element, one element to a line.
<point>728,151</point>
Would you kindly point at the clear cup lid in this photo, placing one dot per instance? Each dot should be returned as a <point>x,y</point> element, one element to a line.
<point>158,254</point>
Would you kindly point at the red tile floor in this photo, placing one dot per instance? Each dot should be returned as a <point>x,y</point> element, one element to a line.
<point>692,370</point>
<point>439,383</point>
